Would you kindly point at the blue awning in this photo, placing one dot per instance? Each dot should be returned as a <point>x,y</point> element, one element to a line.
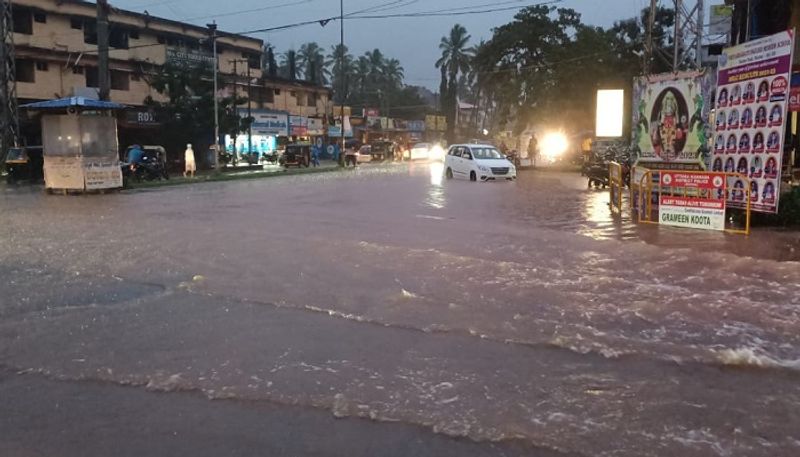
<point>70,102</point>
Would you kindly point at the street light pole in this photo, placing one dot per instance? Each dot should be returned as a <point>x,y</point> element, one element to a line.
<point>213,28</point>
<point>342,76</point>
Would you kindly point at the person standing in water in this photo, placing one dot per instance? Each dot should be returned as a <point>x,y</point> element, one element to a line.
<point>190,166</point>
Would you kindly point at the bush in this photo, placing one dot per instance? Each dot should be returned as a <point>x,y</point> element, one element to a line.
<point>788,211</point>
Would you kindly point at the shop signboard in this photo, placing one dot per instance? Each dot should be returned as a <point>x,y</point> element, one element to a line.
<point>298,125</point>
<point>435,123</point>
<point>268,122</point>
<point>371,112</point>
<point>315,126</point>
<point>721,16</point>
<point>752,99</point>
<point>102,174</point>
<point>188,57</point>
<point>670,117</point>
<point>416,126</point>
<point>141,118</point>
<point>699,203</point>
<point>63,172</point>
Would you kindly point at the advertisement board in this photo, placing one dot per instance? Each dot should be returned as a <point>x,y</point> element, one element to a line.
<point>670,117</point>
<point>268,122</point>
<point>609,113</point>
<point>700,203</point>
<point>298,125</point>
<point>752,100</point>
<point>315,126</point>
<point>102,174</point>
<point>721,16</point>
<point>188,57</point>
<point>63,172</point>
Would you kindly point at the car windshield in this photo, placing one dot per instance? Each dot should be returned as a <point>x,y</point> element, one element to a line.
<point>486,153</point>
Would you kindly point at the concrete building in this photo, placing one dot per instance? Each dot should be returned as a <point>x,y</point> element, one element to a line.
<point>56,50</point>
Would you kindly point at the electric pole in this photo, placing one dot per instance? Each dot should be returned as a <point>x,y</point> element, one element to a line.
<point>9,117</point>
<point>213,29</point>
<point>235,106</point>
<point>342,77</point>
<point>102,51</point>
<point>651,22</point>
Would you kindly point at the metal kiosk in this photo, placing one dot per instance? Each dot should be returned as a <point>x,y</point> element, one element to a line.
<point>81,152</point>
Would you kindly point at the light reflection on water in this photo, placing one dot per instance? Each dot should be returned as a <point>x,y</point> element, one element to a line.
<point>435,198</point>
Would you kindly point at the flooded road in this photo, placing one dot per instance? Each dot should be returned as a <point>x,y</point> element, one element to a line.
<point>518,316</point>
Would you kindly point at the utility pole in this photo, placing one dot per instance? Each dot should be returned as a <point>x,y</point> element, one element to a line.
<point>651,22</point>
<point>342,77</point>
<point>235,105</point>
<point>677,38</point>
<point>9,116</point>
<point>213,29</point>
<point>701,14</point>
<point>249,113</point>
<point>102,51</point>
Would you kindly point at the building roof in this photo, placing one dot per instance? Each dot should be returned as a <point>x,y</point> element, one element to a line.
<point>71,102</point>
<point>147,17</point>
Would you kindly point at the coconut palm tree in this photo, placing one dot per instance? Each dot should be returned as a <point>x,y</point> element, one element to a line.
<point>342,84</point>
<point>311,60</point>
<point>288,68</point>
<point>393,73</point>
<point>455,59</point>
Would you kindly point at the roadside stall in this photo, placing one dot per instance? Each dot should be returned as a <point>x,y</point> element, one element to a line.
<point>79,137</point>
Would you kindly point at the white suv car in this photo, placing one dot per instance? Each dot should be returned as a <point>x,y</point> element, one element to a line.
<point>478,162</point>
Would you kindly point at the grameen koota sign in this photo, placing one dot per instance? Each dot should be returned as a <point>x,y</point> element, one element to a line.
<point>701,204</point>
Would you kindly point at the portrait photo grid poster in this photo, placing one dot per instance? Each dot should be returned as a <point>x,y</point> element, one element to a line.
<point>751,117</point>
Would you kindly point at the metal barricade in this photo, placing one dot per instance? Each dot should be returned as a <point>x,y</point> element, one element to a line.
<point>649,190</point>
<point>616,185</point>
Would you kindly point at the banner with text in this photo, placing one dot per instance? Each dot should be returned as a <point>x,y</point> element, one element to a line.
<point>752,101</point>
<point>700,203</point>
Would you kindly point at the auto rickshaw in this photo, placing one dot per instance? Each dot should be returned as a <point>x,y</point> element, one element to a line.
<point>24,163</point>
<point>298,154</point>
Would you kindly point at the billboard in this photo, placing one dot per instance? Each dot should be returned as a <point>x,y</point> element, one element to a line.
<point>610,112</point>
<point>752,99</point>
<point>670,117</point>
<point>268,122</point>
<point>721,16</point>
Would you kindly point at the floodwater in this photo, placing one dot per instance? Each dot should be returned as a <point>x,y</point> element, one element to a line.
<point>499,312</point>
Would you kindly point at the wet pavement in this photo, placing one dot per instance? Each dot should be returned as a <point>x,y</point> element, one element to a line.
<point>385,305</point>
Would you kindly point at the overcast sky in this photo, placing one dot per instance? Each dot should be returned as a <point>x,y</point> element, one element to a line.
<point>414,41</point>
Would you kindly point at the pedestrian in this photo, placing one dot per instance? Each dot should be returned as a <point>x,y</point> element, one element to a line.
<point>314,156</point>
<point>533,150</point>
<point>190,166</point>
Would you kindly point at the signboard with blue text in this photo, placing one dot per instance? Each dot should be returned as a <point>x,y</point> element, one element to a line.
<point>268,122</point>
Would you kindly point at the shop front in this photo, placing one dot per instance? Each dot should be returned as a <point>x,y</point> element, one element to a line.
<point>263,137</point>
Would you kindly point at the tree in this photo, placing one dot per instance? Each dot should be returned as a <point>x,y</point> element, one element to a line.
<point>456,59</point>
<point>342,80</point>
<point>188,113</point>
<point>288,68</point>
<point>311,59</point>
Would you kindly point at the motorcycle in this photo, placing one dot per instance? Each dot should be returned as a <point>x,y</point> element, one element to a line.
<point>150,168</point>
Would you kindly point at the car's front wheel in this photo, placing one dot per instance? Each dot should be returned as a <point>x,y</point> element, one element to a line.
<point>472,176</point>
<point>449,173</point>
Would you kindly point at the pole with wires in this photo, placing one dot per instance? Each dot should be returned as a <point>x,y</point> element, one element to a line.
<point>342,76</point>
<point>213,29</point>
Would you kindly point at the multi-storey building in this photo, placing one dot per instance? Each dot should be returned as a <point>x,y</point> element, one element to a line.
<point>56,51</point>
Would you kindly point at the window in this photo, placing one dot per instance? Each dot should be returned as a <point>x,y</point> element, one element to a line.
<point>135,77</point>
<point>77,70</point>
<point>277,91</point>
<point>312,99</point>
<point>133,34</point>
<point>118,38</point>
<point>91,77</point>
<point>262,96</point>
<point>161,39</point>
<point>40,18</point>
<point>120,80</point>
<point>23,21</point>
<point>301,98</point>
<point>76,23</point>
<point>254,61</point>
<point>26,72</point>
<point>41,66</point>
<point>89,32</point>
<point>293,93</point>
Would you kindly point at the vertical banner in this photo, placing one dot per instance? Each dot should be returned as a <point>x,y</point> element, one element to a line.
<point>752,101</point>
<point>670,118</point>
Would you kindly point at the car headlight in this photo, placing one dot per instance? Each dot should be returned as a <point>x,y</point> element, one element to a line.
<point>482,168</point>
